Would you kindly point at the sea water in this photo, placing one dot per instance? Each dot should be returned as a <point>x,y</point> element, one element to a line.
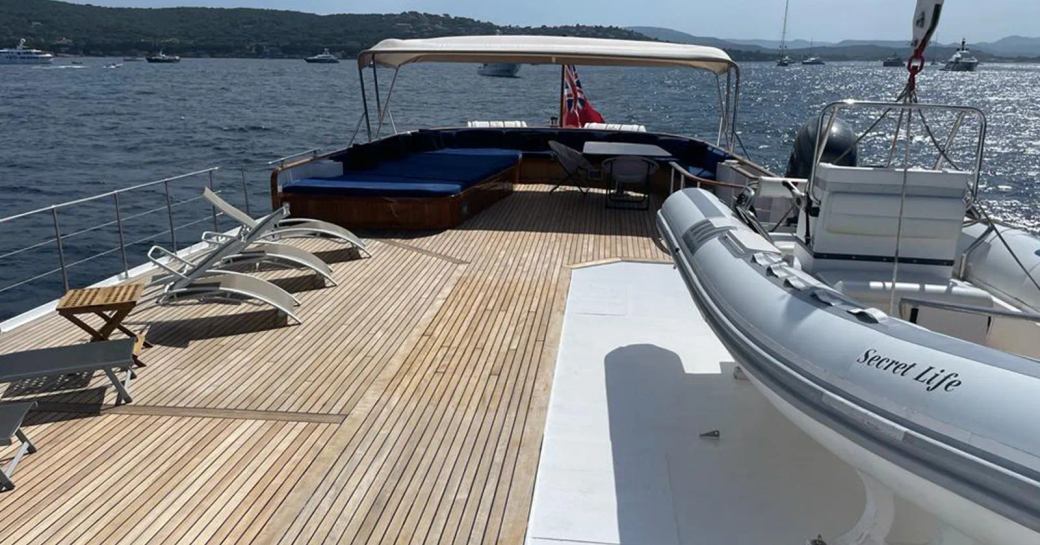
<point>66,134</point>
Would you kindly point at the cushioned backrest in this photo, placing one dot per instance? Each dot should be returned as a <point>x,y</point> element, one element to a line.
<point>478,138</point>
<point>426,140</point>
<point>526,140</point>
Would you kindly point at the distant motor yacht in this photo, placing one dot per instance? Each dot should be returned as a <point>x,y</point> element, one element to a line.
<point>893,61</point>
<point>24,55</point>
<point>323,58</point>
<point>499,69</point>
<point>961,61</point>
<point>812,60</point>
<point>163,58</point>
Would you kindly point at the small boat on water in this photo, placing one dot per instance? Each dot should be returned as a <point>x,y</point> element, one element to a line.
<point>163,58</point>
<point>812,60</point>
<point>784,59</point>
<point>962,60</point>
<point>20,54</point>
<point>893,61</point>
<point>324,57</point>
<point>499,69</point>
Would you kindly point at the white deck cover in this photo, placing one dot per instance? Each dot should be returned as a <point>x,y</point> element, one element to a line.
<point>639,377</point>
<point>546,50</point>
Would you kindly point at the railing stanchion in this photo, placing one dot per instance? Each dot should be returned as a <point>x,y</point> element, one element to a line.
<point>213,209</point>
<point>169,214</point>
<point>245,190</point>
<point>122,238</point>
<point>61,250</point>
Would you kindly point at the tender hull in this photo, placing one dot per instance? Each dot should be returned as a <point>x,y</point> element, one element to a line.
<point>947,424</point>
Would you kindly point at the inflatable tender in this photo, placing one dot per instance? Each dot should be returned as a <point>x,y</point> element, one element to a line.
<point>951,425</point>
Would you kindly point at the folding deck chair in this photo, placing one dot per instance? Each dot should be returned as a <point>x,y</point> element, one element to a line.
<point>203,278</point>
<point>576,167</point>
<point>11,417</point>
<point>287,227</point>
<point>108,356</point>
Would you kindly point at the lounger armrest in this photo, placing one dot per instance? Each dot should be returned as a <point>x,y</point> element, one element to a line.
<point>156,255</point>
<point>215,239</point>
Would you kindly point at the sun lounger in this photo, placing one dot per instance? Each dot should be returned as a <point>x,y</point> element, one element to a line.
<point>287,227</point>
<point>271,253</point>
<point>203,278</point>
<point>11,417</point>
<point>109,356</point>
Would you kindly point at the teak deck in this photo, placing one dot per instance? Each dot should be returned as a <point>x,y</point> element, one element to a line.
<point>408,408</point>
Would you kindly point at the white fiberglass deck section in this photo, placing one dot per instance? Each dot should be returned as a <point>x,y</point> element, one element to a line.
<point>639,377</point>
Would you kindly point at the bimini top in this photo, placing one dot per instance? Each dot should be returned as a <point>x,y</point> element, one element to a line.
<point>545,50</point>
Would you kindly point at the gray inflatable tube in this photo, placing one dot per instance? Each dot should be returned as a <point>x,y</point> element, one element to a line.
<point>950,425</point>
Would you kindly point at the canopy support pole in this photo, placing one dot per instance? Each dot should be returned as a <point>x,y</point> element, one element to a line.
<point>386,107</point>
<point>723,104</point>
<point>364,102</point>
<point>736,104</point>
<point>563,84</point>
<point>375,83</point>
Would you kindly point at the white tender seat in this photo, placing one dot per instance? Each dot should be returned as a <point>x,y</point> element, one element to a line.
<point>859,214</point>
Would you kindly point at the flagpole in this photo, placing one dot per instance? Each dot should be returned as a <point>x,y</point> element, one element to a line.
<point>563,69</point>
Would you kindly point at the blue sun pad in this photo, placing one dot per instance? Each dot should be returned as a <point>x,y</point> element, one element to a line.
<point>438,173</point>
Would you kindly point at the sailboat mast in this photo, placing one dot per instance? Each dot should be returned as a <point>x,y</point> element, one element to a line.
<point>783,33</point>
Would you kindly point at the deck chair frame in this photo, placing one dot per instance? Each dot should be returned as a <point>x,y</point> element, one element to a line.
<point>122,361</point>
<point>271,253</point>
<point>285,227</point>
<point>26,447</point>
<point>576,167</point>
<point>210,285</point>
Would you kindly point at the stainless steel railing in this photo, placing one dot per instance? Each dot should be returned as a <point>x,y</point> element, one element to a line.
<point>77,227</point>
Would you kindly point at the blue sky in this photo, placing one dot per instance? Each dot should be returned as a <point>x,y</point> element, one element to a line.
<point>825,20</point>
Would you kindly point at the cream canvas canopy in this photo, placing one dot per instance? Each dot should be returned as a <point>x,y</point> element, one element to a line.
<point>545,50</point>
<point>561,50</point>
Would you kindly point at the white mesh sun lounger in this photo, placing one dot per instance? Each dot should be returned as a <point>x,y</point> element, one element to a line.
<point>203,279</point>
<point>287,227</point>
<point>271,253</point>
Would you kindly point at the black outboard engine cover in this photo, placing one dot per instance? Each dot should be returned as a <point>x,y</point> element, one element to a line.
<point>842,139</point>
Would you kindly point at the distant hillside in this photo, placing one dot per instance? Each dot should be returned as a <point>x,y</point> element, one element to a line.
<point>737,51</point>
<point>92,30</point>
<point>1010,48</point>
<point>1013,46</point>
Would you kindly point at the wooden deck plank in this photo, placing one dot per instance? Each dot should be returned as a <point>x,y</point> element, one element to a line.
<point>408,408</point>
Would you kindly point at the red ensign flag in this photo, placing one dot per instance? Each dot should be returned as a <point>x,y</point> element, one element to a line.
<point>577,110</point>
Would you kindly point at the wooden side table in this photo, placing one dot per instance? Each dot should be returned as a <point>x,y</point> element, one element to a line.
<point>112,304</point>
